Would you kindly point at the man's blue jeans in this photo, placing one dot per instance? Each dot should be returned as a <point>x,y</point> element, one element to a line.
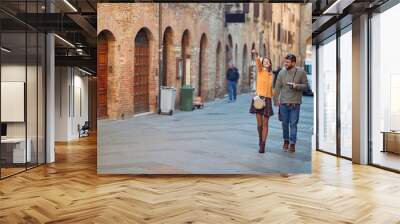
<point>232,90</point>
<point>290,117</point>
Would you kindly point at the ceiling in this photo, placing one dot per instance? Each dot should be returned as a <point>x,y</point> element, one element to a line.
<point>75,21</point>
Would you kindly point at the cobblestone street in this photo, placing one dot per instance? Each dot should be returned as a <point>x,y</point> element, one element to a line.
<point>219,139</point>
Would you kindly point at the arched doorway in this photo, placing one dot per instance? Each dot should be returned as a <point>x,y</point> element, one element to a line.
<point>265,51</point>
<point>104,40</point>
<point>230,41</point>
<point>244,84</point>
<point>141,72</point>
<point>202,85</point>
<point>229,55</point>
<point>185,43</point>
<point>227,60</point>
<point>168,58</point>
<point>253,70</point>
<point>236,61</point>
<point>218,71</point>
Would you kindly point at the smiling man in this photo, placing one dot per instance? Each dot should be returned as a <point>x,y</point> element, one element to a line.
<point>289,87</point>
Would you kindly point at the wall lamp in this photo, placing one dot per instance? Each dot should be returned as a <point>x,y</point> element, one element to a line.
<point>5,50</point>
<point>84,71</point>
<point>65,41</point>
<point>337,7</point>
<point>70,5</point>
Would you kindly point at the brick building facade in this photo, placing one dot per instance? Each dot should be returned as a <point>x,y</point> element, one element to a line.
<point>193,44</point>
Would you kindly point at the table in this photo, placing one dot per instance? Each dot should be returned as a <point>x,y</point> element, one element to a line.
<point>16,147</point>
<point>391,141</point>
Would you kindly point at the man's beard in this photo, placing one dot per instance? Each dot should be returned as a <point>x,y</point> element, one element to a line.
<point>289,67</point>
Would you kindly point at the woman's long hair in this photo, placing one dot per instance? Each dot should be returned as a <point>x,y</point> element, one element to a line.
<point>270,62</point>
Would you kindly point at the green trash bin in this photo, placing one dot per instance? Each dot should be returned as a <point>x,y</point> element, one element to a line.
<point>187,98</point>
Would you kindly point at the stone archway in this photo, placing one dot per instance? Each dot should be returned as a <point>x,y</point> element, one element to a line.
<point>252,70</point>
<point>244,85</point>
<point>202,78</point>
<point>236,61</point>
<point>141,77</point>
<point>105,53</point>
<point>185,43</point>
<point>168,62</point>
<point>264,51</point>
<point>218,71</point>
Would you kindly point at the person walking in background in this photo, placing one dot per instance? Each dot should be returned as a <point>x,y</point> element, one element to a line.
<point>290,84</point>
<point>232,75</point>
<point>264,92</point>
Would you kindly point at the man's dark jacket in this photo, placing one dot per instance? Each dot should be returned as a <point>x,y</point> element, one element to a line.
<point>232,74</point>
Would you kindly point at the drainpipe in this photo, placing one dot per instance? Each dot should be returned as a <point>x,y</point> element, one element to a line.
<point>160,72</point>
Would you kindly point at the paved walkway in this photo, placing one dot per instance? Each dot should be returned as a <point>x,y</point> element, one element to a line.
<point>219,139</point>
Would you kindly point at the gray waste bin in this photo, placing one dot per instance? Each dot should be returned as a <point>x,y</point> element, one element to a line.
<point>167,103</point>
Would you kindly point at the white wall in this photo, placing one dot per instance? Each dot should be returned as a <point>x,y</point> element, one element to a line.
<point>62,81</point>
<point>13,73</point>
<point>33,126</point>
<point>71,93</point>
<point>81,94</point>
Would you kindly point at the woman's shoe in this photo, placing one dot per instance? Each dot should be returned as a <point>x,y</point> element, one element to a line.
<point>262,147</point>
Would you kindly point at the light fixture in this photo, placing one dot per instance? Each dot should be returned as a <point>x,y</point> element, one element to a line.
<point>70,5</point>
<point>86,72</point>
<point>5,50</point>
<point>64,40</point>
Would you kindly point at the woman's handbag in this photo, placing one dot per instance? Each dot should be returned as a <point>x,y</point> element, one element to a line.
<point>258,102</point>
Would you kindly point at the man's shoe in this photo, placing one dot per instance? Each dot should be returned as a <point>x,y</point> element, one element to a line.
<point>262,147</point>
<point>292,148</point>
<point>285,146</point>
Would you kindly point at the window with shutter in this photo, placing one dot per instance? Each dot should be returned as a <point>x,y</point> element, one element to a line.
<point>256,10</point>
<point>278,37</point>
<point>269,12</point>
<point>246,7</point>
<point>286,36</point>
<point>273,31</point>
<point>264,13</point>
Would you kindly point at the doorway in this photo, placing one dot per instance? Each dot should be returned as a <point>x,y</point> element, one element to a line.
<point>141,70</point>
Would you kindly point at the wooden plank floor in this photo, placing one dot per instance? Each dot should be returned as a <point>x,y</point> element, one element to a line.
<point>69,191</point>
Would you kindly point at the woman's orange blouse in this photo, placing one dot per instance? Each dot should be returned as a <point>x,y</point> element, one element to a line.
<point>264,81</point>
